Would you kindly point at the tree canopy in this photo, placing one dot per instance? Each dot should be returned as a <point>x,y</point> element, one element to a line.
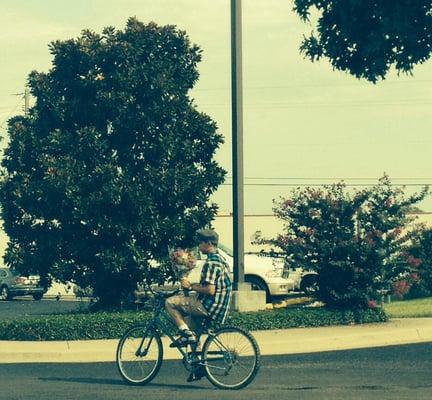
<point>114,164</point>
<point>367,37</point>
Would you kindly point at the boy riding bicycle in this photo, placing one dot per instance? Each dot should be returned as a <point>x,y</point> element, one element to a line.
<point>211,300</point>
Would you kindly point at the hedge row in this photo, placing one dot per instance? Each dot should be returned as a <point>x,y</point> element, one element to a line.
<point>104,325</point>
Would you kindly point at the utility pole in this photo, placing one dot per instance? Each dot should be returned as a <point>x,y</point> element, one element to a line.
<point>26,101</point>
<point>237,142</point>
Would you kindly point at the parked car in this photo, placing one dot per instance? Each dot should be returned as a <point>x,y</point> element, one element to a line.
<point>13,284</point>
<point>270,274</point>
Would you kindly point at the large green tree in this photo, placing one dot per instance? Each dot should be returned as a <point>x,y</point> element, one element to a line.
<point>367,37</point>
<point>114,164</point>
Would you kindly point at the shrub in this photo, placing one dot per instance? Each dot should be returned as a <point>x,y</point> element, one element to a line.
<point>349,239</point>
<point>104,325</point>
<point>417,258</point>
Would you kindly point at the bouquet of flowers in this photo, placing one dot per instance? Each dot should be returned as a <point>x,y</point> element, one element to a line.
<point>183,262</point>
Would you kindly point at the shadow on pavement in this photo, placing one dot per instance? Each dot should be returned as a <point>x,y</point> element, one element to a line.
<point>106,381</point>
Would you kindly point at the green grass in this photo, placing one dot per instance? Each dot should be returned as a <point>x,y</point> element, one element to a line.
<point>409,308</point>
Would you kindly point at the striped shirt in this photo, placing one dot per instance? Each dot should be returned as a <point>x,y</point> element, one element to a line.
<point>216,272</point>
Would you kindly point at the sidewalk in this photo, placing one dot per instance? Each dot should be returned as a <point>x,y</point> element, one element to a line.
<point>284,341</point>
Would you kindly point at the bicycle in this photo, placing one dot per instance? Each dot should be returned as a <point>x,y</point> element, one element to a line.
<point>230,355</point>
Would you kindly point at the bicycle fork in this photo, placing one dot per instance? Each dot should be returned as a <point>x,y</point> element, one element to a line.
<point>142,352</point>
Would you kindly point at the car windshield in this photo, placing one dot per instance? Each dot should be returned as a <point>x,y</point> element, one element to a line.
<point>226,249</point>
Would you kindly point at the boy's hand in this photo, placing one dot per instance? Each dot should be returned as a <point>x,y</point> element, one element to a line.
<point>185,283</point>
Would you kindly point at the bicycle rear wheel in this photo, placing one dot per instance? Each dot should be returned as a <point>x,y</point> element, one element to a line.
<point>231,357</point>
<point>139,355</point>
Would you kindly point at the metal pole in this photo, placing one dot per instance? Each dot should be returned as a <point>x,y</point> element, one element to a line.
<point>26,101</point>
<point>237,142</point>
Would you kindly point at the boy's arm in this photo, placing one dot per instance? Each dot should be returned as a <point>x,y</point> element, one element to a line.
<point>206,288</point>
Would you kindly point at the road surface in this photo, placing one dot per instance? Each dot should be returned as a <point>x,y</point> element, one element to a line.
<point>389,373</point>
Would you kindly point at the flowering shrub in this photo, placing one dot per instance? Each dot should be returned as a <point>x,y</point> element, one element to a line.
<point>350,239</point>
<point>417,254</point>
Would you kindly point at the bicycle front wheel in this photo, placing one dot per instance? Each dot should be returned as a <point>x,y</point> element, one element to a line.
<point>139,355</point>
<point>231,358</point>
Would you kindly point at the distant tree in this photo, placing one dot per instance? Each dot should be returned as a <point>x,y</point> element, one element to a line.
<point>114,164</point>
<point>367,37</point>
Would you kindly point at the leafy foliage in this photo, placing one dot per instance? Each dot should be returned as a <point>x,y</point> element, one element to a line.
<point>103,325</point>
<point>367,37</point>
<point>349,239</point>
<point>416,257</point>
<point>115,163</point>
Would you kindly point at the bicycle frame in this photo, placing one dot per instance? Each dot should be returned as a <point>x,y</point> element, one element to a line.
<point>163,324</point>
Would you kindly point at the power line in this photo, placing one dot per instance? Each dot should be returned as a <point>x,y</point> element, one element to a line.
<point>324,184</point>
<point>266,214</point>
<point>414,102</point>
<point>312,85</point>
<point>327,178</point>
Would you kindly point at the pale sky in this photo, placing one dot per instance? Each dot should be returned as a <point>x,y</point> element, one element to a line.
<point>302,120</point>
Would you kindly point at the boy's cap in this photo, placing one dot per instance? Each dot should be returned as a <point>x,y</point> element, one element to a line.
<point>208,236</point>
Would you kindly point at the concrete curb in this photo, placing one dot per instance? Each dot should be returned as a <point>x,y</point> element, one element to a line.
<point>274,342</point>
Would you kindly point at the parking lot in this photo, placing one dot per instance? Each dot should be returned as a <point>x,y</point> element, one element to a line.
<point>24,306</point>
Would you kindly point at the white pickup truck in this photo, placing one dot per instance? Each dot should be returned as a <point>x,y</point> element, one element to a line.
<point>263,273</point>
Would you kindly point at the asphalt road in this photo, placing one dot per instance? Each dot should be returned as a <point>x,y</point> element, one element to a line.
<point>25,306</point>
<point>390,373</point>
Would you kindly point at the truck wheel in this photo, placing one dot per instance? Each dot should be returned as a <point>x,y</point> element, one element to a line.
<point>5,293</point>
<point>38,296</point>
<point>258,284</point>
<point>309,284</point>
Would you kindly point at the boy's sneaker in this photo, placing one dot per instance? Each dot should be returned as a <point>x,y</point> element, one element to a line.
<point>186,337</point>
<point>197,373</point>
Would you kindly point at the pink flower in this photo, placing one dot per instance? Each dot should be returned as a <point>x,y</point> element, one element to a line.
<point>288,203</point>
<point>180,257</point>
<point>310,231</point>
<point>370,239</point>
<point>372,304</point>
<point>413,261</point>
<point>314,213</point>
<point>414,276</point>
<point>389,203</point>
<point>51,171</point>
<point>377,233</point>
<point>395,233</point>
<point>315,195</point>
<point>401,288</point>
<point>283,239</point>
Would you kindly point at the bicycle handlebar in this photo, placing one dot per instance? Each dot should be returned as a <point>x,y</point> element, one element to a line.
<point>166,294</point>
<point>162,294</point>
